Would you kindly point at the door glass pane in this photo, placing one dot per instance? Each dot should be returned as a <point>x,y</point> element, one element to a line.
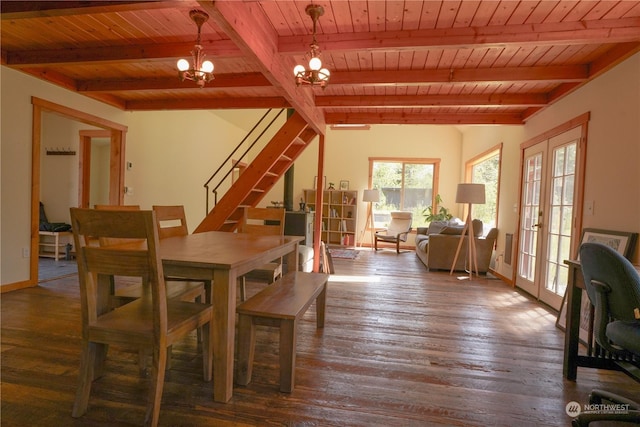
<point>560,218</point>
<point>530,209</point>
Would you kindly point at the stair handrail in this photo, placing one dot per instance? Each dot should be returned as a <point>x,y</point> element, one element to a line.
<point>233,152</point>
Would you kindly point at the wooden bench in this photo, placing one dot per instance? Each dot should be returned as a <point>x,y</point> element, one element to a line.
<point>279,305</point>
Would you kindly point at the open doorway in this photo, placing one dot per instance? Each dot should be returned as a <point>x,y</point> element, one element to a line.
<point>116,136</point>
<point>94,173</point>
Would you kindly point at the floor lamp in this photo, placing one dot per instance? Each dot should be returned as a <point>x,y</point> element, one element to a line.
<point>472,194</point>
<point>369,196</point>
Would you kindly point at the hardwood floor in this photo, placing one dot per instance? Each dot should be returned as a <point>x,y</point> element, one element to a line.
<point>401,347</point>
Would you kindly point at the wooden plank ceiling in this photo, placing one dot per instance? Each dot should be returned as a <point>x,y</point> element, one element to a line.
<point>402,62</point>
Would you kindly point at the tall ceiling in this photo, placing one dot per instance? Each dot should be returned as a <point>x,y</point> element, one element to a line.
<point>406,62</point>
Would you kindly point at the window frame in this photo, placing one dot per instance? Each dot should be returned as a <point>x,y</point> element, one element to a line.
<point>434,161</point>
<point>482,157</point>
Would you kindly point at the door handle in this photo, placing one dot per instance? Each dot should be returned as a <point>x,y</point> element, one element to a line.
<point>538,225</point>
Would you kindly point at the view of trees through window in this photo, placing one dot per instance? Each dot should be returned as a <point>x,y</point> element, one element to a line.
<point>486,170</point>
<point>405,185</point>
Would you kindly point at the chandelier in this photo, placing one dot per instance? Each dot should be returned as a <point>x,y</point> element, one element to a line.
<point>199,72</point>
<point>315,75</point>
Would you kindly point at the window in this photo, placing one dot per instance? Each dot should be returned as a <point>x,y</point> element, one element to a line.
<point>485,169</point>
<point>405,185</point>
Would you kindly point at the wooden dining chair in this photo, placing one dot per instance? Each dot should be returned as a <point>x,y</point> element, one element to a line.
<point>184,290</point>
<point>171,221</point>
<point>180,288</point>
<point>152,321</point>
<point>263,222</point>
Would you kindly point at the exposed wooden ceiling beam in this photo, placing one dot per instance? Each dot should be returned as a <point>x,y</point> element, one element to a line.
<point>371,101</point>
<point>221,81</point>
<point>563,33</point>
<point>39,9</point>
<point>117,54</point>
<point>208,104</point>
<point>571,73</point>
<point>249,29</point>
<point>424,119</point>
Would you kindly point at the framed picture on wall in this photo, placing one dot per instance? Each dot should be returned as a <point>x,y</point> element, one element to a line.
<point>344,185</point>
<point>623,242</point>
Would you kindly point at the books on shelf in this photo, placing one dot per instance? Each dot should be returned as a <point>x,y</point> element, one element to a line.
<point>346,240</point>
<point>339,212</point>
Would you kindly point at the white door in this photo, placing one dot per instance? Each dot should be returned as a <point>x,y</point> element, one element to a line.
<point>547,216</point>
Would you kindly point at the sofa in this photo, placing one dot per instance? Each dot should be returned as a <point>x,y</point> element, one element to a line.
<point>436,245</point>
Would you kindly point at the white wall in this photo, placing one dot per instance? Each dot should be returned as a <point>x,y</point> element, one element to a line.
<point>100,159</point>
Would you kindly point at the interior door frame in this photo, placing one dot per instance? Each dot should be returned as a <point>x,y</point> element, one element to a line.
<point>84,172</point>
<point>581,121</point>
<point>116,131</point>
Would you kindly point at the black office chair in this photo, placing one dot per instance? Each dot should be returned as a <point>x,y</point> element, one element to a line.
<point>613,286</point>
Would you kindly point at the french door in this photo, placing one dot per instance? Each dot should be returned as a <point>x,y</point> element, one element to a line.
<point>547,216</point>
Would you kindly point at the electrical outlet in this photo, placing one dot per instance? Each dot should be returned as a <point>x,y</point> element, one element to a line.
<point>26,253</point>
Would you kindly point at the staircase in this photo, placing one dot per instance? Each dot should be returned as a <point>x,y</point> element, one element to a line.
<point>260,176</point>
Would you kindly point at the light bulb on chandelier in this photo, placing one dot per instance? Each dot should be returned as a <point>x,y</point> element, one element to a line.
<point>202,71</point>
<point>315,75</point>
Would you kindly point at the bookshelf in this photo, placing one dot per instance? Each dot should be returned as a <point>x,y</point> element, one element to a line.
<point>339,215</point>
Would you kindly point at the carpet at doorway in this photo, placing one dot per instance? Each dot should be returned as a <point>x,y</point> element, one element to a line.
<point>344,253</point>
<point>49,269</point>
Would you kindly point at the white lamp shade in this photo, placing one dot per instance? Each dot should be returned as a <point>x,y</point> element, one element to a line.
<point>183,65</point>
<point>315,63</point>
<point>298,69</point>
<point>207,67</point>
<point>470,193</point>
<point>371,195</point>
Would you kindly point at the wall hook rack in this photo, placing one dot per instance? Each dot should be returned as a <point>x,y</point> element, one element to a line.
<point>58,152</point>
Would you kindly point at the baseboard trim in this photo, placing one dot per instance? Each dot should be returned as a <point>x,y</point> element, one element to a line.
<point>501,277</point>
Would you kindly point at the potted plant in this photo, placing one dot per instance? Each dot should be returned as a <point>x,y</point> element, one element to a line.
<point>443,214</point>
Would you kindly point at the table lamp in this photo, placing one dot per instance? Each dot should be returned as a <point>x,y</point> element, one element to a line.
<point>470,194</point>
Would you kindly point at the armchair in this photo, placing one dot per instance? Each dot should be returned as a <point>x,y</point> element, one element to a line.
<point>613,286</point>
<point>398,229</point>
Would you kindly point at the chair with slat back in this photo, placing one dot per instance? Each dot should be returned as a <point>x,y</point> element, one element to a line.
<point>180,288</point>
<point>264,222</point>
<point>184,290</point>
<point>153,321</point>
<point>171,221</point>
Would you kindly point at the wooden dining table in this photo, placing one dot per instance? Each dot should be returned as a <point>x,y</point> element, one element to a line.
<point>220,258</point>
